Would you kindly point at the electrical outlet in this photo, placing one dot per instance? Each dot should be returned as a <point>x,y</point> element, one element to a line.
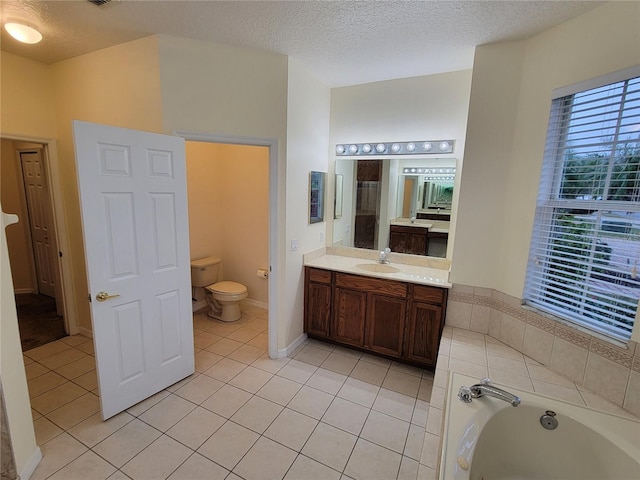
<point>294,244</point>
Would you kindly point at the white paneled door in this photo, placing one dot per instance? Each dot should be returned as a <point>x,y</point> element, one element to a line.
<point>133,195</point>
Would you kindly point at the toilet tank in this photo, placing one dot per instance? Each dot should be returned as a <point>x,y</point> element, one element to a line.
<point>204,271</point>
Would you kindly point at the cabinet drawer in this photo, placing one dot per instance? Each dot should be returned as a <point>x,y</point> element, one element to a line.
<point>319,276</point>
<point>428,294</point>
<point>372,285</point>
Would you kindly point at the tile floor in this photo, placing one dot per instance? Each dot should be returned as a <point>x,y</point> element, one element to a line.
<point>326,413</point>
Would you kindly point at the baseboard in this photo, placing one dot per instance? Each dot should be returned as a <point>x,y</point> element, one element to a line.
<point>31,465</point>
<point>285,352</point>
<point>256,303</point>
<point>22,291</point>
<point>199,305</point>
<point>85,332</point>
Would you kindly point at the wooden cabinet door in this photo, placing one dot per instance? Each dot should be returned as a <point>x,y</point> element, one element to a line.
<point>397,241</point>
<point>349,316</point>
<point>385,324</point>
<point>424,333</point>
<point>417,243</point>
<point>318,309</point>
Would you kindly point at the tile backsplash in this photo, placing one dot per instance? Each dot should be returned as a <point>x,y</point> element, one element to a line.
<point>608,370</point>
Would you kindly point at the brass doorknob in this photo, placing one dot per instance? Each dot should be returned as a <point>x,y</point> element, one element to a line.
<point>102,296</point>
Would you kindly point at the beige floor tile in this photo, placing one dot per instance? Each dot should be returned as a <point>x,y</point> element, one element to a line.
<point>359,392</point>
<point>57,397</point>
<point>375,360</point>
<point>45,382</point>
<point>413,445</point>
<point>426,387</point>
<point>279,390</point>
<point>62,358</point>
<point>205,360</point>
<point>395,404</point>
<point>257,414</point>
<point>258,324</point>
<point>420,413</point>
<point>386,431</point>
<point>34,369</point>
<point>311,402</point>
<point>198,467</point>
<point>330,446</point>
<point>243,335</point>
<point>427,473</point>
<point>408,369</point>
<point>223,328</point>
<point>57,453</point>
<point>204,339</point>
<point>266,459</point>
<point>270,365</point>
<point>251,379</point>
<point>178,385</point>
<point>226,401</point>
<point>312,355</point>
<point>158,460</point>
<point>88,381</point>
<point>77,368</point>
<point>372,462</point>
<point>434,420</point>
<point>167,412</point>
<point>229,444</point>
<point>118,475</point>
<point>246,354</point>
<point>225,369</point>
<point>86,347</point>
<point>297,371</point>
<point>141,407</point>
<point>402,383</point>
<point>47,350</point>
<point>75,340</point>
<point>327,381</point>
<point>126,443</point>
<point>348,352</point>
<point>304,468</point>
<point>346,415</point>
<point>224,347</point>
<point>261,341</point>
<point>320,344</point>
<point>199,389</point>
<point>195,428</point>
<point>338,363</point>
<point>369,373</point>
<point>45,430</point>
<point>291,429</point>
<point>86,466</point>
<point>93,430</point>
<point>75,411</point>
<point>408,469</point>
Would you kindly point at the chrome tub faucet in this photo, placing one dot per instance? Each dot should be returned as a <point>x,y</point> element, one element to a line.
<point>466,394</point>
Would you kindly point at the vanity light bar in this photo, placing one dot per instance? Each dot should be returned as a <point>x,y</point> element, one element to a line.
<point>429,171</point>
<point>423,147</point>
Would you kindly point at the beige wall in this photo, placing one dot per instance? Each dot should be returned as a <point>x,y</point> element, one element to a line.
<point>228,193</point>
<point>508,117</point>
<point>18,237</point>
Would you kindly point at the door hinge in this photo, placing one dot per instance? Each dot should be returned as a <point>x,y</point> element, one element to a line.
<point>60,254</point>
<point>89,298</point>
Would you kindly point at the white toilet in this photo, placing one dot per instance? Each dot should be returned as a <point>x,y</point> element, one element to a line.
<point>223,298</point>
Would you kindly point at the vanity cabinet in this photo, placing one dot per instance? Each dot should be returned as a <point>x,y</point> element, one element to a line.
<point>387,317</point>
<point>413,240</point>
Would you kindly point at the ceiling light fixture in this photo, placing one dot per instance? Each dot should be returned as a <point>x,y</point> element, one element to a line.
<point>23,33</point>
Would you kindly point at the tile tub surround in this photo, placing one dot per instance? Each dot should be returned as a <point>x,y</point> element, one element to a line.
<point>480,355</point>
<point>610,371</point>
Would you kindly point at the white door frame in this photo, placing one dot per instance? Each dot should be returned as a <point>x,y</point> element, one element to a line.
<point>272,143</point>
<point>52,172</point>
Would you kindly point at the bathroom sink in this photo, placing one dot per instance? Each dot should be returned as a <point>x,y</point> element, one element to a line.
<point>377,268</point>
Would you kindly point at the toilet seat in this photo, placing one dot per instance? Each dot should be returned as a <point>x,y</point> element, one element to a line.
<point>227,288</point>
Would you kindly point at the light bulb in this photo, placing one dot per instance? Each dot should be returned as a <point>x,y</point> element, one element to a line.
<point>353,149</point>
<point>426,146</point>
<point>381,147</point>
<point>395,147</point>
<point>339,149</point>
<point>444,146</point>
<point>22,33</point>
<point>411,147</point>
<point>366,148</point>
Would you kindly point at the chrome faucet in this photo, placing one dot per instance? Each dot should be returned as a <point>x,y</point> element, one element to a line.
<point>384,256</point>
<point>466,394</point>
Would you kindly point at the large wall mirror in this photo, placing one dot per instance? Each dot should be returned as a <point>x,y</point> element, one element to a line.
<point>379,193</point>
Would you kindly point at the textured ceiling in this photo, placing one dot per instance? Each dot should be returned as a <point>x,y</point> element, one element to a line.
<point>341,42</point>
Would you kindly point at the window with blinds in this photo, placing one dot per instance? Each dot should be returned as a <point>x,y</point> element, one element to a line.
<point>583,264</point>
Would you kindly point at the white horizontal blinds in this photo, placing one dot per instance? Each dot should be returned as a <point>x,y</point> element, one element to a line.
<point>586,241</point>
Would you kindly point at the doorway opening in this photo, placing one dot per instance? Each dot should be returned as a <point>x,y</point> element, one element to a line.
<point>29,190</point>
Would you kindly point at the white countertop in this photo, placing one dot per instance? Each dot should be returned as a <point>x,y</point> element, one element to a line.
<point>406,273</point>
<point>406,222</point>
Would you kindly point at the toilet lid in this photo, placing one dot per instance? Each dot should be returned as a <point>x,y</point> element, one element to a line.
<point>227,287</point>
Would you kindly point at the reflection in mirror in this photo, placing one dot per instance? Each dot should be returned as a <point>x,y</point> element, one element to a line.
<point>337,209</point>
<point>316,197</point>
<point>376,195</point>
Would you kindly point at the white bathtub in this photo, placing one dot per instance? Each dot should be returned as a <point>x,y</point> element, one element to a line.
<point>488,439</point>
